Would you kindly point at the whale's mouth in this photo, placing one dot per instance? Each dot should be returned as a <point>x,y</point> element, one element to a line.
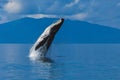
<point>47,39</point>
<point>43,43</point>
<point>56,26</point>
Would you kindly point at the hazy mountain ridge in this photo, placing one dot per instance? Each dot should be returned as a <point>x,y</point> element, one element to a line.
<point>27,30</point>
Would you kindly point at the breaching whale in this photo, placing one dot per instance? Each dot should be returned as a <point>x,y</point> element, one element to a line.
<point>41,46</point>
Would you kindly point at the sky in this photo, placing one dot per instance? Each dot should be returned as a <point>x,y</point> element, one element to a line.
<point>103,12</point>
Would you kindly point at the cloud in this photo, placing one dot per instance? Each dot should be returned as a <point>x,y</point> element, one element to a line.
<point>118,4</point>
<point>37,16</point>
<point>72,3</point>
<point>79,16</point>
<point>87,10</point>
<point>13,6</point>
<point>3,19</point>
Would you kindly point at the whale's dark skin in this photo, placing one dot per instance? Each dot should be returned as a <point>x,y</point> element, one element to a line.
<point>41,46</point>
<point>51,36</point>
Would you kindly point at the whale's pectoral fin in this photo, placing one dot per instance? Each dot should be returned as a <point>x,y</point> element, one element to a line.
<point>41,43</point>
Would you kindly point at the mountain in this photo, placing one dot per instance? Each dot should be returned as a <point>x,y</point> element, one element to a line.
<point>27,30</point>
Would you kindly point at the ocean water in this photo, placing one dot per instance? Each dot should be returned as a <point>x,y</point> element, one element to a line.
<point>71,62</point>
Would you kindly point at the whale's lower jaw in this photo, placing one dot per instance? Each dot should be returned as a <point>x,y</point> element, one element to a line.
<point>36,56</point>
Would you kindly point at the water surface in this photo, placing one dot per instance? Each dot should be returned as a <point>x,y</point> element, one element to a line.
<point>71,62</point>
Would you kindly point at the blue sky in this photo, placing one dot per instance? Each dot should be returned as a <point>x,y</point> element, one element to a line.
<point>103,12</point>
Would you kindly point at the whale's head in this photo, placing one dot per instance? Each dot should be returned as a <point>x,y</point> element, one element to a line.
<point>43,43</point>
<point>48,35</point>
<point>54,28</point>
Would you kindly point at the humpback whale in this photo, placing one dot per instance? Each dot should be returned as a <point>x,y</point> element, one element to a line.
<point>41,46</point>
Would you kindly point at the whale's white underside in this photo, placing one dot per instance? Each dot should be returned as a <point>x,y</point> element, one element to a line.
<point>39,52</point>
